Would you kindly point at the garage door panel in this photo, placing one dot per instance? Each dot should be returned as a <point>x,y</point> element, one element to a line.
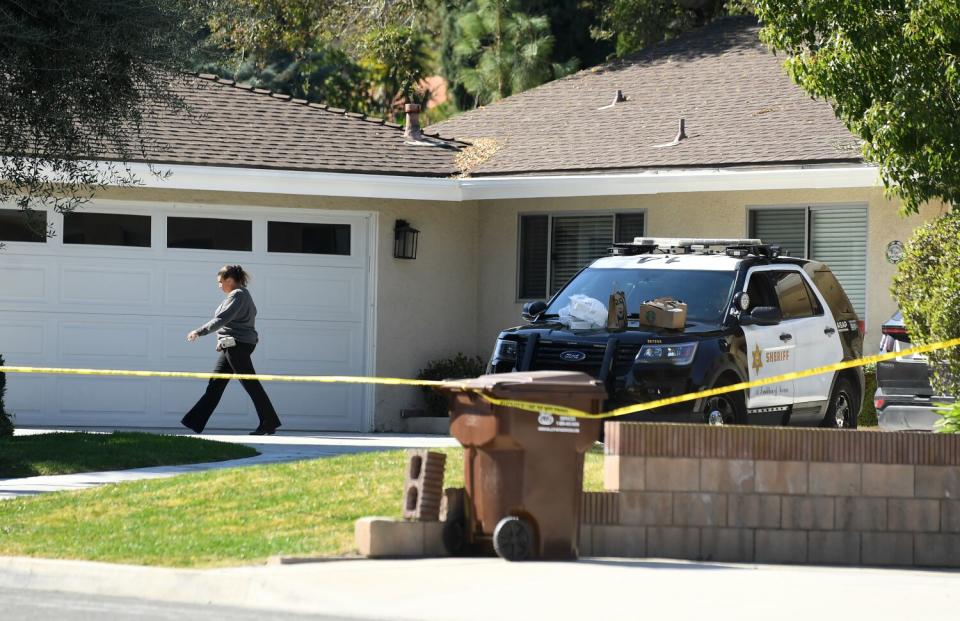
<point>175,346</point>
<point>20,339</point>
<point>106,395</point>
<point>23,284</point>
<point>108,287</point>
<point>98,340</point>
<point>25,394</point>
<point>192,289</point>
<point>302,405</point>
<point>311,346</point>
<point>299,292</point>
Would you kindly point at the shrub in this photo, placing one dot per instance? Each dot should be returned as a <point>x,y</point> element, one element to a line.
<point>950,419</point>
<point>868,413</point>
<point>458,367</point>
<point>6,424</point>
<point>927,287</point>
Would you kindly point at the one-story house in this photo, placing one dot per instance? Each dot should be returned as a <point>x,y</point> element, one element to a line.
<point>704,136</point>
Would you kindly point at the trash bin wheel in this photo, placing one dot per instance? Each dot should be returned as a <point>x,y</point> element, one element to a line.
<point>513,539</point>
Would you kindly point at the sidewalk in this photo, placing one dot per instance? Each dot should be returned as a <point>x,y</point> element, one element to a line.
<point>488,588</point>
<point>291,446</point>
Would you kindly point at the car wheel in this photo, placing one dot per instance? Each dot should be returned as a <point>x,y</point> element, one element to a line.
<point>843,409</point>
<point>726,409</point>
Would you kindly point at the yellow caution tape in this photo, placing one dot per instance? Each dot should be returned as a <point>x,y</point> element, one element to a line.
<point>529,406</point>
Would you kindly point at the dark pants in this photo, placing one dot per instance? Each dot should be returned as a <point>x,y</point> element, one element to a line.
<point>234,359</point>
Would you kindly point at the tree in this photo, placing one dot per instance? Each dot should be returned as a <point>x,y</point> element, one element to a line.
<point>377,45</point>
<point>890,70</point>
<point>76,78</point>
<point>501,50</point>
<point>636,24</point>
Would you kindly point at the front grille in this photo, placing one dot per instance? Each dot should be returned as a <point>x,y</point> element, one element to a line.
<point>548,357</point>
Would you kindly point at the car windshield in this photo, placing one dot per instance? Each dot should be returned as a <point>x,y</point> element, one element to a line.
<point>706,293</point>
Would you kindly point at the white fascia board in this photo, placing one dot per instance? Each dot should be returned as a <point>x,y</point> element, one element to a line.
<point>226,179</point>
<point>301,183</point>
<point>669,181</point>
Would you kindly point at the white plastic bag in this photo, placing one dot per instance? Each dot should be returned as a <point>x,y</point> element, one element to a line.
<point>583,312</point>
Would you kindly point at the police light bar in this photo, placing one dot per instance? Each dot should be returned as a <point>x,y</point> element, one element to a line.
<point>693,242</point>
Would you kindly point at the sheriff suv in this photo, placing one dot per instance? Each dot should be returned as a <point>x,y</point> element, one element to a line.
<point>751,314</point>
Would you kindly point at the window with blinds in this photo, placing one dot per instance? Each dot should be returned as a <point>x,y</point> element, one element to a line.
<point>553,248</point>
<point>836,236</point>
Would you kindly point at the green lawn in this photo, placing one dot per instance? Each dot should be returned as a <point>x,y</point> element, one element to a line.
<point>222,517</point>
<point>68,453</point>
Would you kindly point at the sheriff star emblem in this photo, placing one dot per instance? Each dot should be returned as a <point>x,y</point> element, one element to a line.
<point>757,359</point>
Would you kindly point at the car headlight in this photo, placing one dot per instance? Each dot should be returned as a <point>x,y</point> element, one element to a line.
<point>673,353</point>
<point>505,350</point>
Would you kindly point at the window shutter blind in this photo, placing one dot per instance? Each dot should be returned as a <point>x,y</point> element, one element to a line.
<point>533,257</point>
<point>785,227</point>
<point>629,226</point>
<point>577,240</point>
<point>839,239</point>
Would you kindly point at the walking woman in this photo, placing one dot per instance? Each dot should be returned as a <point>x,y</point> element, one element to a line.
<point>236,340</point>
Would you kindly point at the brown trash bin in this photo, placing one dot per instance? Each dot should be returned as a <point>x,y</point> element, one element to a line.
<point>523,471</point>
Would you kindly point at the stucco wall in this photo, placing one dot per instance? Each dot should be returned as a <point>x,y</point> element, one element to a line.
<point>694,214</point>
<point>426,308</point>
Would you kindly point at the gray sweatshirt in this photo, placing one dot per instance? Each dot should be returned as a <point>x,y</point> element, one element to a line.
<point>234,317</point>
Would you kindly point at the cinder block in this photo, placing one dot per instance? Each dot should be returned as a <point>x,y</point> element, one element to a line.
<point>936,550</point>
<point>833,548</point>
<point>807,513</point>
<point>886,549</point>
<point>423,487</point>
<point>781,477</point>
<point>433,540</point>
<point>646,509</point>
<point>730,545</point>
<point>385,537</point>
<point>753,511</point>
<point>950,516</point>
<point>861,514</point>
<point>699,509</point>
<point>620,541</point>
<point>683,543</point>
<point>937,482</point>
<point>624,473</point>
<point>669,474</point>
<point>585,540</point>
<point>726,475</point>
<point>891,481</point>
<point>828,479</point>
<point>781,546</point>
<point>913,515</point>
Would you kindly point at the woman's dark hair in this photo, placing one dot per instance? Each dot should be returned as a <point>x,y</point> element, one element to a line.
<point>236,273</point>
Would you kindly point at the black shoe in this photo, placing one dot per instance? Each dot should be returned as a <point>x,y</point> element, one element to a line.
<point>190,427</point>
<point>263,432</point>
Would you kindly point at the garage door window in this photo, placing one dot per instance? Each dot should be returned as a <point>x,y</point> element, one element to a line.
<point>308,238</point>
<point>553,248</point>
<point>210,234</point>
<point>17,225</point>
<point>106,229</point>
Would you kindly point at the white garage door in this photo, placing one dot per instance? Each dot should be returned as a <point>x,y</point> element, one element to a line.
<point>121,284</point>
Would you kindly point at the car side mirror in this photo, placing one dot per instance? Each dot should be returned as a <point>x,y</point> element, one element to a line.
<point>531,310</point>
<point>761,316</point>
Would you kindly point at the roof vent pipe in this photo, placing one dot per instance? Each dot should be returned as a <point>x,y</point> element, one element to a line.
<point>412,130</point>
<point>618,97</point>
<point>680,133</point>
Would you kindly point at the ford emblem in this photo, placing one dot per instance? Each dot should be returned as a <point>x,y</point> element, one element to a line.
<point>573,356</point>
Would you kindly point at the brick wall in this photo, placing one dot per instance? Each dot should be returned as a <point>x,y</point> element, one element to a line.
<point>776,495</point>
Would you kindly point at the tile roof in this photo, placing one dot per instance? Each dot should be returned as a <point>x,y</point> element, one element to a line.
<point>240,126</point>
<point>740,109</point>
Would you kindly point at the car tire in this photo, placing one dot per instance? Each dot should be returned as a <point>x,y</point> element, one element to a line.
<point>843,409</point>
<point>731,405</point>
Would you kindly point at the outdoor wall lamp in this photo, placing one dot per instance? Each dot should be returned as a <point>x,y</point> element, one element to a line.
<point>405,239</point>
